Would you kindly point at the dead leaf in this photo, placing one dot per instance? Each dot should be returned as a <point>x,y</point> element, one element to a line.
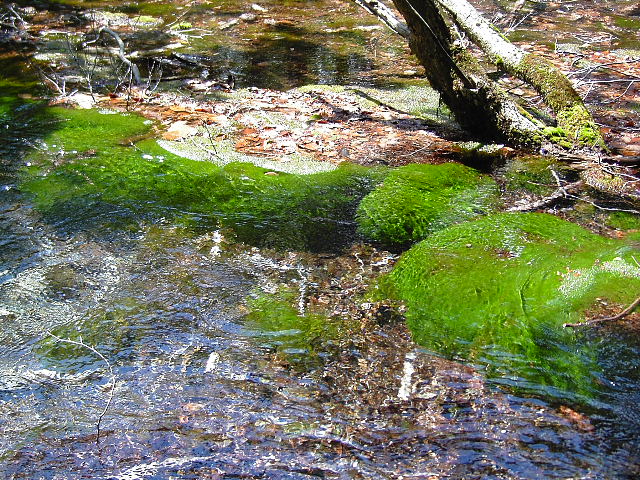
<point>179,130</point>
<point>310,146</point>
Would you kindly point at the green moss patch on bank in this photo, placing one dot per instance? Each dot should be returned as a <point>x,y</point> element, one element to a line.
<point>90,158</point>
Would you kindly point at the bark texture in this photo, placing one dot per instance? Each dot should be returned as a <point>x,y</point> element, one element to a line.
<point>476,101</point>
<point>572,116</point>
<point>478,104</point>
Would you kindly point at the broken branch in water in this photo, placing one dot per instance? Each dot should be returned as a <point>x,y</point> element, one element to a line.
<point>113,378</point>
<point>619,316</point>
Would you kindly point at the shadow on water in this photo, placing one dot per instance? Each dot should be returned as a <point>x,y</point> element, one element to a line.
<point>292,56</point>
<point>282,57</point>
<point>23,121</point>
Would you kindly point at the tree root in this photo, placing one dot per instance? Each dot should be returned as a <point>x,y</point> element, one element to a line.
<point>619,316</point>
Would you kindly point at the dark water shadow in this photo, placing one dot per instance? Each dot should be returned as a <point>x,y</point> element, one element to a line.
<point>23,121</point>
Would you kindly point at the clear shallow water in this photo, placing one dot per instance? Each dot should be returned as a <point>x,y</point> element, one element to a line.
<point>200,392</point>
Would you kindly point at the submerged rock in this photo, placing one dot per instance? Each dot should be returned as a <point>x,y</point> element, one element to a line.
<point>497,291</point>
<point>417,200</point>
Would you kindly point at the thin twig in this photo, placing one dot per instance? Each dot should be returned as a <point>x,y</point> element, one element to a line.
<point>592,68</point>
<point>615,80</point>
<point>212,142</point>
<point>416,151</point>
<point>561,192</point>
<point>12,10</point>
<point>113,377</point>
<point>619,316</point>
<point>121,51</point>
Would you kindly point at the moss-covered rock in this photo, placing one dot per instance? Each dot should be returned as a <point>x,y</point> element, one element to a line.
<point>417,200</point>
<point>497,291</point>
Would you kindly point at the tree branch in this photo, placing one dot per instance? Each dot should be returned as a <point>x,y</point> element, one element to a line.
<point>132,66</point>
<point>386,15</point>
<point>619,316</point>
<point>556,89</point>
<point>113,378</point>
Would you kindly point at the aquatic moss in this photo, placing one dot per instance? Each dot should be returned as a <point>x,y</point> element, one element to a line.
<point>496,291</point>
<point>90,161</point>
<point>417,200</point>
<point>530,174</point>
<point>109,330</point>
<point>280,324</point>
<point>93,130</point>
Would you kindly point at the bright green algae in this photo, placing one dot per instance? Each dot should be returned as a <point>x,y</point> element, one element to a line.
<point>417,200</point>
<point>496,291</point>
<point>287,328</point>
<point>90,159</point>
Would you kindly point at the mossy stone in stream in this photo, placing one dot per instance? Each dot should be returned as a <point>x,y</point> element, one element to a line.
<point>417,200</point>
<point>530,174</point>
<point>496,291</point>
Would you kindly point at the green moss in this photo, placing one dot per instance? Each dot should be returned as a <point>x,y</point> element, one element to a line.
<point>556,88</point>
<point>579,126</point>
<point>157,9</point>
<point>279,322</point>
<point>417,200</point>
<point>624,221</point>
<point>588,135</point>
<point>573,118</point>
<point>627,22</point>
<point>184,26</point>
<point>530,174</point>
<point>554,133</point>
<point>89,162</point>
<point>82,130</point>
<point>496,292</point>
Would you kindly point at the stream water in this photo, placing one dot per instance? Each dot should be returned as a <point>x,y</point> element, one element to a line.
<point>184,383</point>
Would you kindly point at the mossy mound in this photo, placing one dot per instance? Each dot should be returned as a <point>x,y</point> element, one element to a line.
<point>497,291</point>
<point>89,161</point>
<point>417,200</point>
